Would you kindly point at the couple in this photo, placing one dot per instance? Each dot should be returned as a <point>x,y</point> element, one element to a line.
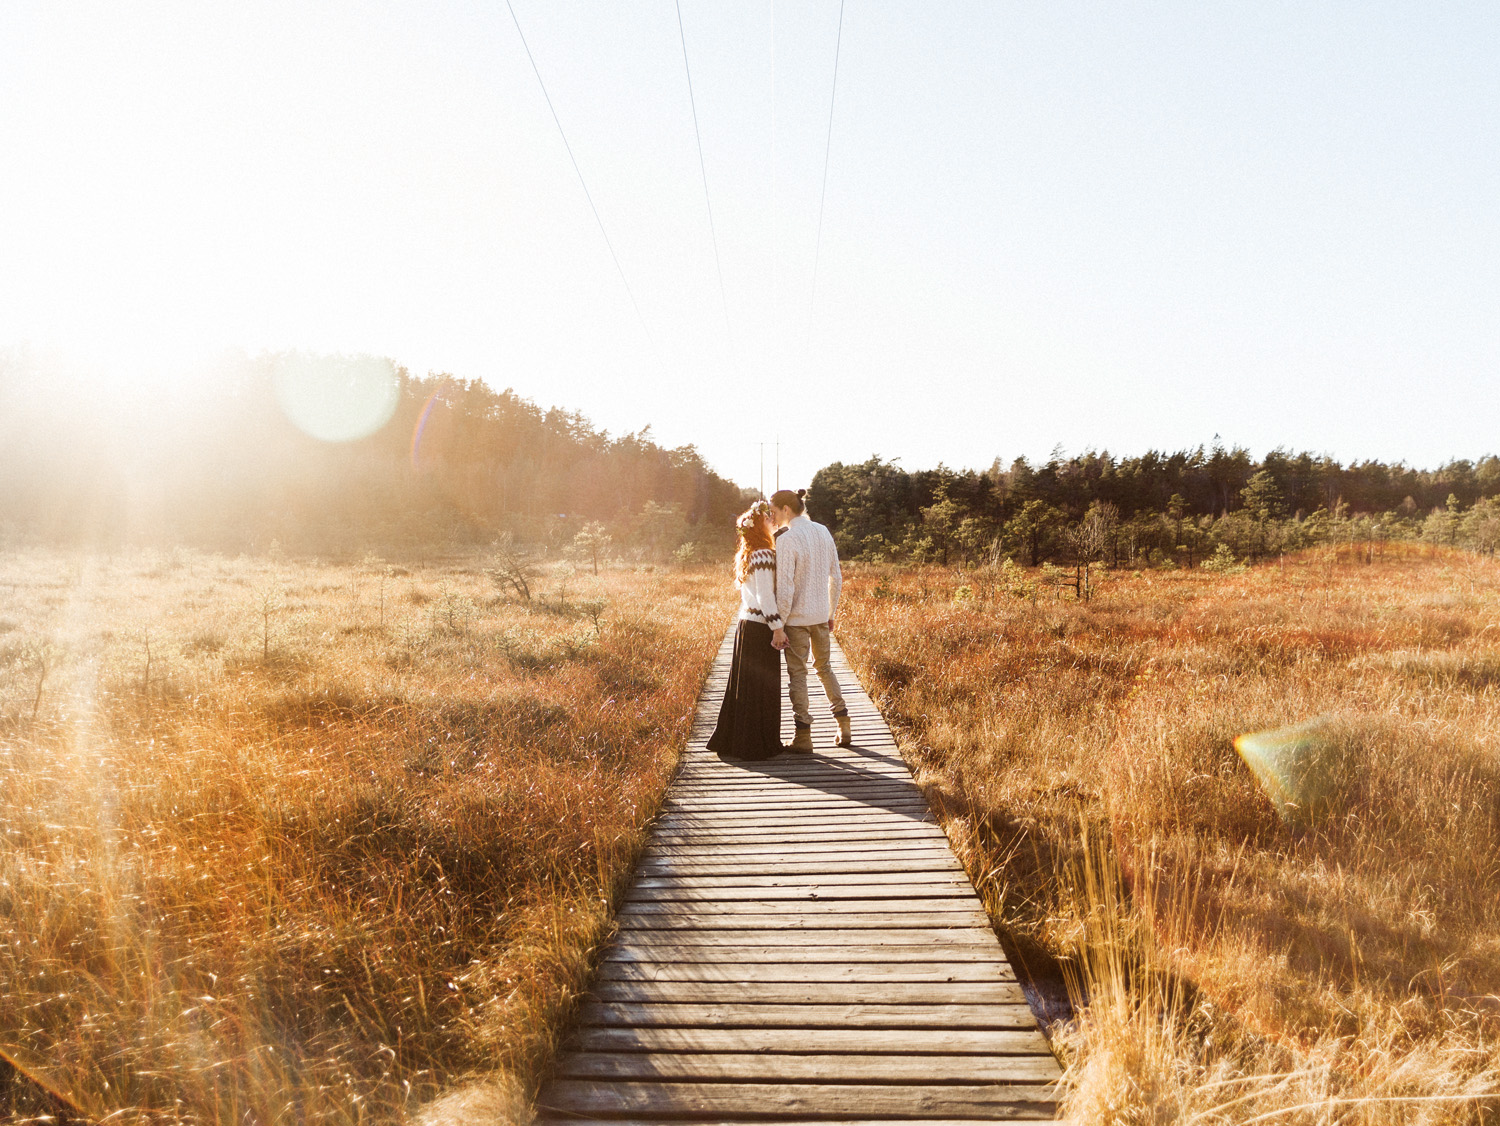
<point>787,569</point>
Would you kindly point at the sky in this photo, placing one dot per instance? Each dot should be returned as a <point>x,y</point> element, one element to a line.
<point>1112,226</point>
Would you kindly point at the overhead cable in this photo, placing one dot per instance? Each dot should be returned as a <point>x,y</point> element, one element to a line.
<point>827,149</point>
<point>702,167</point>
<point>582,183</point>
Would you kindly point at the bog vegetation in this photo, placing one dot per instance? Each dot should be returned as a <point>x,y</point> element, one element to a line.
<point>1316,944</point>
<point>289,841</point>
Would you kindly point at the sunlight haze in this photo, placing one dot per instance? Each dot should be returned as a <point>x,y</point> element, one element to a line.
<point>1109,226</point>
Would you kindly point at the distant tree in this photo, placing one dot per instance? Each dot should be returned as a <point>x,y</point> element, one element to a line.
<point>1028,531</point>
<point>591,542</point>
<point>1480,528</point>
<point>940,523</point>
<point>1262,496</point>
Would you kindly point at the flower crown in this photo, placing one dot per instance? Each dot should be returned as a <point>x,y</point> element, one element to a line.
<point>747,521</point>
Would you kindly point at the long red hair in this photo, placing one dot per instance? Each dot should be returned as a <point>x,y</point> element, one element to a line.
<point>754,528</point>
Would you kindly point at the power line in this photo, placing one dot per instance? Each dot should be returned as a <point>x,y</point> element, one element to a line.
<point>827,149</point>
<point>702,167</point>
<point>581,182</point>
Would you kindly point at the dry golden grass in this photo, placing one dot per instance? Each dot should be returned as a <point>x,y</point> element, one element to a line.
<point>298,842</point>
<point>1340,966</point>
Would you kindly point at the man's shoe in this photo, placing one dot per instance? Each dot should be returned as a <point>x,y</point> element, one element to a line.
<point>802,741</point>
<point>846,737</point>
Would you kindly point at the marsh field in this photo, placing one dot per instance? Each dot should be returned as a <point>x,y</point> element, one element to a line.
<point>299,841</point>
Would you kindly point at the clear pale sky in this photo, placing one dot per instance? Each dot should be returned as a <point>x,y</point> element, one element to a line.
<point>1099,225</point>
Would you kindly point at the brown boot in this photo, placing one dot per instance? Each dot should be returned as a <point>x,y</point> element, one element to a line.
<point>802,741</point>
<point>846,737</point>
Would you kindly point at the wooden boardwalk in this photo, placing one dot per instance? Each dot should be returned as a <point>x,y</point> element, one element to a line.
<point>799,944</point>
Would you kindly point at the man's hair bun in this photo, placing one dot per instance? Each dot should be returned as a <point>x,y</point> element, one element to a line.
<point>801,492</point>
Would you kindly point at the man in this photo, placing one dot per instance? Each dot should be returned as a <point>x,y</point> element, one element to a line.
<point>808,581</point>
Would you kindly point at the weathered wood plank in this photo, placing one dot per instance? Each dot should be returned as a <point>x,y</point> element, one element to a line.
<point>555,1118</point>
<point>793,845</point>
<point>870,972</point>
<point>954,906</point>
<point>803,1068</point>
<point>893,955</point>
<point>943,1041</point>
<point>861,958</point>
<point>760,852</point>
<point>868,875</point>
<point>870,818</point>
<point>851,1015</point>
<point>990,1101</point>
<point>661,991</point>
<point>787,870</point>
<point>930,894</point>
<point>789,942</point>
<point>789,922</point>
<point>812,786</point>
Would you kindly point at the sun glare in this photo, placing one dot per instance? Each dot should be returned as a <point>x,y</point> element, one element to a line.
<point>337,398</point>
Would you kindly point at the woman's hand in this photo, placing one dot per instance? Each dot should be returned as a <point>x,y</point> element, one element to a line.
<point>778,639</point>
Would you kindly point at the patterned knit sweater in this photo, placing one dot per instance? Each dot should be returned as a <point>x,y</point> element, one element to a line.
<point>758,591</point>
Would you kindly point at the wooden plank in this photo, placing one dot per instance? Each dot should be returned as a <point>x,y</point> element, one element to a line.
<point>868,875</point>
<point>807,1016</point>
<point>958,906</point>
<point>927,848</point>
<point>709,838</point>
<point>820,768</point>
<point>810,992</point>
<point>822,789</point>
<point>873,760</point>
<point>811,787</point>
<point>689,921</point>
<point>888,955</point>
<point>808,869</point>
<point>813,940</point>
<point>943,1041</point>
<point>803,1068</point>
<point>774,808</point>
<point>556,1118</point>
<point>929,894</point>
<point>987,1101</point>
<point>869,972</point>
<point>866,817</point>
<point>776,852</point>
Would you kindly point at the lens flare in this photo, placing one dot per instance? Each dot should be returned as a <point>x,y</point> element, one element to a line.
<point>337,398</point>
<point>1294,766</point>
<point>421,427</point>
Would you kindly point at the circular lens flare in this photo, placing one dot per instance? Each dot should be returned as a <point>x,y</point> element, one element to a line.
<point>337,398</point>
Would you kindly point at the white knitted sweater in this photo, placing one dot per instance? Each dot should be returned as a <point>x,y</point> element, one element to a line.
<point>758,591</point>
<point>808,579</point>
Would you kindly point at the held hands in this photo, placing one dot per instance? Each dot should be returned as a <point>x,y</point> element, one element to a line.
<point>830,625</point>
<point>778,639</point>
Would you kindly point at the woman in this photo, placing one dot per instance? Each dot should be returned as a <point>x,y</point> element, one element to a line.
<point>749,724</point>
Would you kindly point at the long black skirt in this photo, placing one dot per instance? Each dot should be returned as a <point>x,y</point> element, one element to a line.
<point>749,724</point>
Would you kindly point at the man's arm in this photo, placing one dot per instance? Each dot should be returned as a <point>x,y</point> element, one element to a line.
<point>786,587</point>
<point>786,576</point>
<point>835,582</point>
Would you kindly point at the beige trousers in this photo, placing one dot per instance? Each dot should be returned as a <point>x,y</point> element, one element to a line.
<point>802,640</point>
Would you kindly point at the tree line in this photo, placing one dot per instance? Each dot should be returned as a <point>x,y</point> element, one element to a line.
<point>220,463</point>
<point>1178,509</point>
